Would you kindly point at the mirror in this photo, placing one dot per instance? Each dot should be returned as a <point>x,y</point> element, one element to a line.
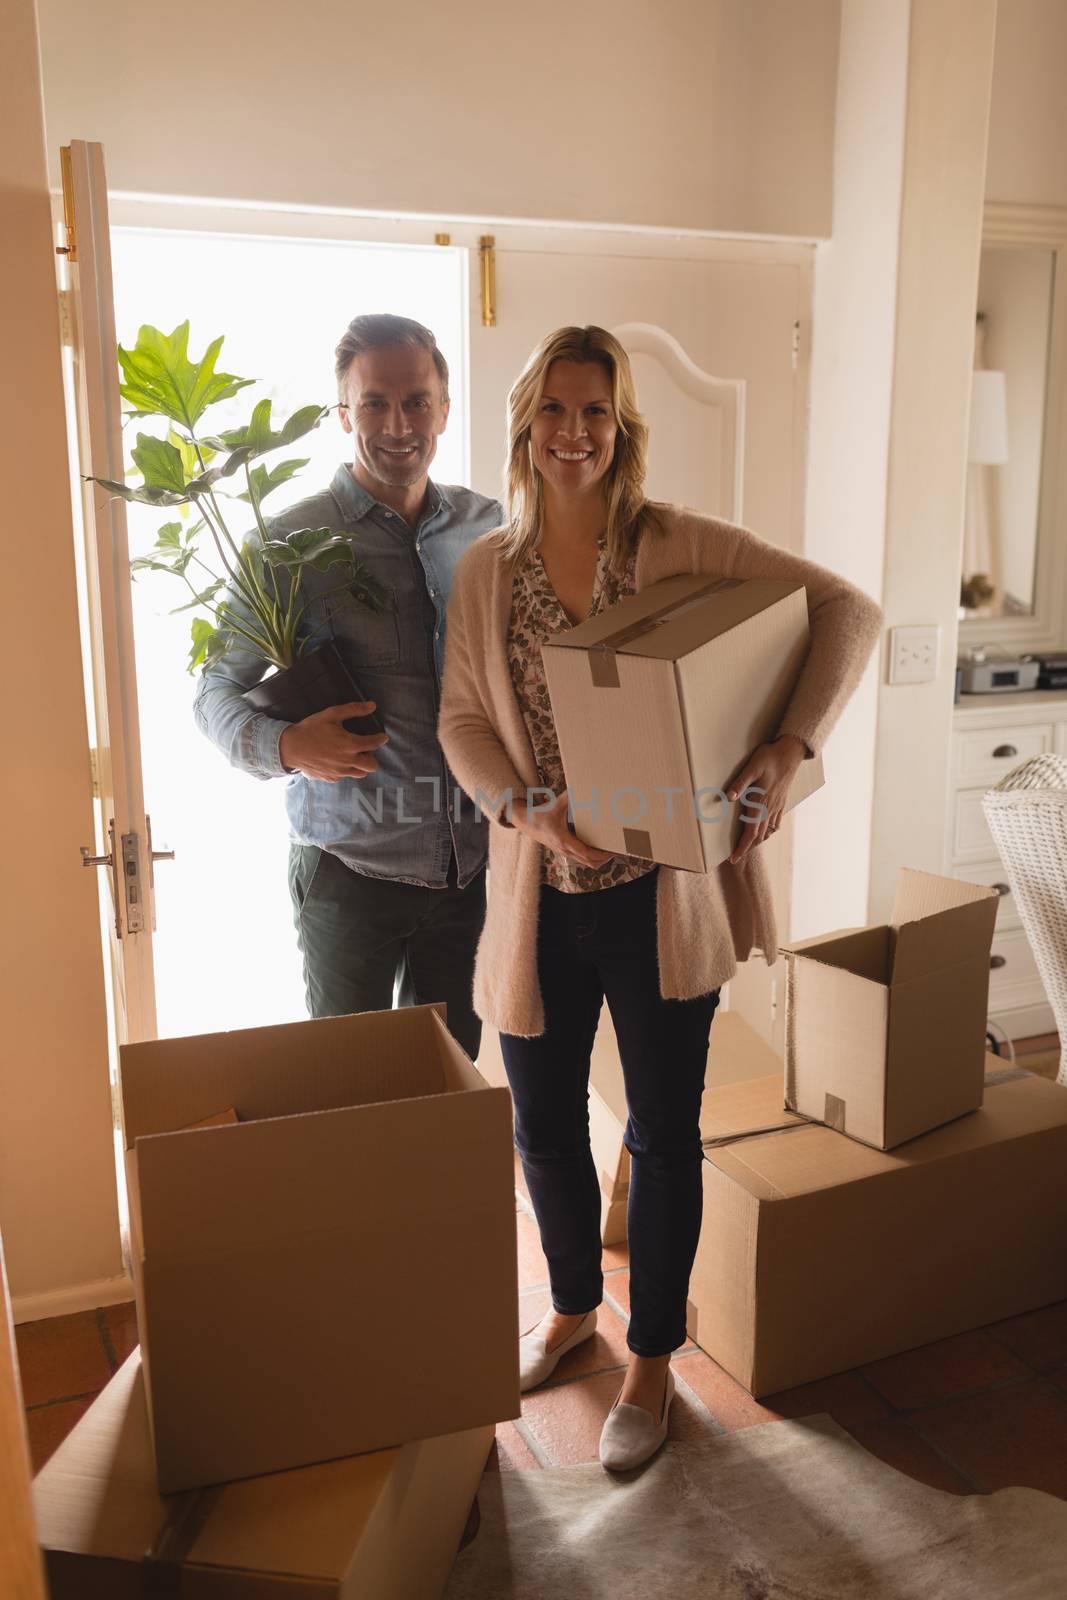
<point>1013,350</point>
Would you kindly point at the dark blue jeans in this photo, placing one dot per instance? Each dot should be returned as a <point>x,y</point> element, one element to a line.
<point>592,946</point>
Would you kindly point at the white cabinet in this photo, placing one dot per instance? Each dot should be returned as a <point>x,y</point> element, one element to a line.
<point>993,734</point>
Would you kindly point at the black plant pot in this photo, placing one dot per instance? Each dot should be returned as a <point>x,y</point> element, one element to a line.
<point>313,683</point>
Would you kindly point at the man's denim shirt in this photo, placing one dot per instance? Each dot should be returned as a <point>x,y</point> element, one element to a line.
<point>399,822</point>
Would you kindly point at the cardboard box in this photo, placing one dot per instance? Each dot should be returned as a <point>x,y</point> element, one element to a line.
<point>657,702</point>
<point>385,1525</point>
<point>283,1264</point>
<point>737,1052</point>
<point>818,1253</point>
<point>885,1027</point>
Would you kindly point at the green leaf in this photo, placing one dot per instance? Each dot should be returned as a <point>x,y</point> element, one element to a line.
<point>142,497</point>
<point>366,588</point>
<point>149,564</point>
<point>266,479</point>
<point>169,536</point>
<point>208,644</point>
<point>193,461</point>
<point>161,381</point>
<point>160,464</point>
<point>204,598</point>
<point>257,436</point>
<point>309,547</point>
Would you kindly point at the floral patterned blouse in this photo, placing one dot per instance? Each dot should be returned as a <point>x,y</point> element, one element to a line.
<point>536,613</point>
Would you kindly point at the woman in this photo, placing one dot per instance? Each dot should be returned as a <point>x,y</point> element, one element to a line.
<point>568,925</point>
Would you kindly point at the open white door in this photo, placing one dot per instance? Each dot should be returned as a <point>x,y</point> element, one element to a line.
<point>123,849</point>
<point>715,331</point>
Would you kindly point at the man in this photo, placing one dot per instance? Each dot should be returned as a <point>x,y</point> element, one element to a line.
<point>387,861</point>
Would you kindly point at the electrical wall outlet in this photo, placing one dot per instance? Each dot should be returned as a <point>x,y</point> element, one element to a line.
<point>913,654</point>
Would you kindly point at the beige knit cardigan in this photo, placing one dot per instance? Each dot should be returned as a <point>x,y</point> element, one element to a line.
<point>705,923</point>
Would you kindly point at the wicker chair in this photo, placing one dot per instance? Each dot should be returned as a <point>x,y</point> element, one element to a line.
<point>1027,816</point>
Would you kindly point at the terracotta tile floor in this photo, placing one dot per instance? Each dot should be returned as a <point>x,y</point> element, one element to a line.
<point>977,1412</point>
<point>971,1414</point>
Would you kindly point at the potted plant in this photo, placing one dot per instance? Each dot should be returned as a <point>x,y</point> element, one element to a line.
<point>246,595</point>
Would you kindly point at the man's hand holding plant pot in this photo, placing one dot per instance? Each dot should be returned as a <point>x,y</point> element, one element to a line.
<point>320,746</point>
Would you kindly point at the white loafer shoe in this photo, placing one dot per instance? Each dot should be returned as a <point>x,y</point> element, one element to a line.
<point>630,1436</point>
<point>536,1363</point>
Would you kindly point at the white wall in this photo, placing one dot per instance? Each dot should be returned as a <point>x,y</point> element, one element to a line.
<point>851,389</point>
<point>714,114</point>
<point>950,63</point>
<point>1028,116</point>
<point>57,1174</point>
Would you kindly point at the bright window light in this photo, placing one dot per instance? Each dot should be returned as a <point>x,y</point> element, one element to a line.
<point>225,947</point>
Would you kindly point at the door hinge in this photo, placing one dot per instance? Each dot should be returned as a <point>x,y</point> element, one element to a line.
<point>94,770</point>
<point>487,263</point>
<point>66,174</point>
<point>796,344</point>
<point>66,318</point>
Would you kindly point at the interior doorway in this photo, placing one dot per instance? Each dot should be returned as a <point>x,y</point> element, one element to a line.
<point>225,949</point>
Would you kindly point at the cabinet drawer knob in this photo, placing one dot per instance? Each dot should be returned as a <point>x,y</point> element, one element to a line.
<point>1005,750</point>
<point>1001,888</point>
<point>998,961</point>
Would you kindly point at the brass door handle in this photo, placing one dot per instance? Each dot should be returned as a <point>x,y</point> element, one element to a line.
<point>153,854</point>
<point>89,860</point>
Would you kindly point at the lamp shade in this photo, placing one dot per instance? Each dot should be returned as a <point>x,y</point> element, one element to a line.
<point>988,442</point>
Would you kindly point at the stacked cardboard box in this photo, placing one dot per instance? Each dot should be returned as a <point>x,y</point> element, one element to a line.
<point>819,1253</point>
<point>885,1026</point>
<point>283,1262</point>
<point>386,1524</point>
<point>890,1202</point>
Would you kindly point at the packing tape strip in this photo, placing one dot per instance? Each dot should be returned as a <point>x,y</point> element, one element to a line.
<point>752,1133</point>
<point>834,1111</point>
<point>161,1566</point>
<point>1008,1075</point>
<point>603,667</point>
<point>637,842</point>
<point>790,1035</point>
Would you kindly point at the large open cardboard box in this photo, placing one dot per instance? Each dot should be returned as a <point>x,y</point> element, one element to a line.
<point>885,1026</point>
<point>284,1264</point>
<point>818,1253</point>
<point>658,700</point>
<point>385,1525</point>
<point>736,1053</point>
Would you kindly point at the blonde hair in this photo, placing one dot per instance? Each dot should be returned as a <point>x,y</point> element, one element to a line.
<point>627,508</point>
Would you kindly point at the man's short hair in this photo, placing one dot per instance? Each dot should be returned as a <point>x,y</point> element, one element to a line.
<point>376,331</point>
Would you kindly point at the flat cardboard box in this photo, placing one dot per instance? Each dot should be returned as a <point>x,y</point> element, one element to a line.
<point>283,1264</point>
<point>736,1053</point>
<point>818,1254</point>
<point>385,1525</point>
<point>657,702</point>
<point>885,1027</point>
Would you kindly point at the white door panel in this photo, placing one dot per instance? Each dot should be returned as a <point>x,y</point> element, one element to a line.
<point>713,337</point>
